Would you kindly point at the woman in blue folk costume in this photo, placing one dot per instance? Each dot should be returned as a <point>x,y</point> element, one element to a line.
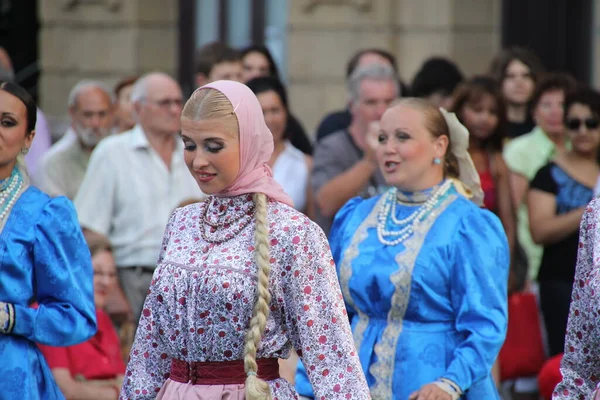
<point>423,268</point>
<point>43,257</point>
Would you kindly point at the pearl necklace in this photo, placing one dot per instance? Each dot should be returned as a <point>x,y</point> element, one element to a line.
<point>388,212</point>
<point>9,193</point>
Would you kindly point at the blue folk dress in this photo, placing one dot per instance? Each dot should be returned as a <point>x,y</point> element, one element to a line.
<point>43,257</point>
<point>433,306</point>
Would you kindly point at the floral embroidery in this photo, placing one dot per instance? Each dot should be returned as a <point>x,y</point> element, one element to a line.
<point>201,298</point>
<point>580,366</point>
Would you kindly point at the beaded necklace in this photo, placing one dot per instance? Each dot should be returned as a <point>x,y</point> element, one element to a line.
<point>231,225</point>
<point>387,216</point>
<point>9,192</point>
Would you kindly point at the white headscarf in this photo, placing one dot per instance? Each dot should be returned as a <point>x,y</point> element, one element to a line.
<point>468,182</point>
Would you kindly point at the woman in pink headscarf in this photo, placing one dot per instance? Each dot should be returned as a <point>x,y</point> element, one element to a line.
<point>242,278</point>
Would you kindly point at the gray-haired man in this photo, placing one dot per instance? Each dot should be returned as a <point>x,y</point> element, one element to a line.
<point>62,168</point>
<point>344,164</point>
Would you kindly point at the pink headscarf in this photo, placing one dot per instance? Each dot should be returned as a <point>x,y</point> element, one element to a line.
<point>256,144</point>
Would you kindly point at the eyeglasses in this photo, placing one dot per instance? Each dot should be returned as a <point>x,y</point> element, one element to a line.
<point>573,124</point>
<point>166,103</point>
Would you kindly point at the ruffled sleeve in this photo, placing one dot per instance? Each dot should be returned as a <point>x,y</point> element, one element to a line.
<point>149,367</point>
<point>479,296</point>
<point>63,280</point>
<point>317,320</point>
<point>580,366</point>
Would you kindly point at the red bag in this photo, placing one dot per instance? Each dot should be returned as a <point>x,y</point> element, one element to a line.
<point>522,354</point>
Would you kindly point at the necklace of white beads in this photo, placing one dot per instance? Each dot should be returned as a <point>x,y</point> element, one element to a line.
<point>387,216</point>
<point>9,194</point>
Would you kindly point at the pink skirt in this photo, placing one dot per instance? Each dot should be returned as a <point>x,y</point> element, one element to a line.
<point>172,390</point>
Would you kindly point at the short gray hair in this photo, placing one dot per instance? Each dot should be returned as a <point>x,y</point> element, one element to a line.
<point>88,84</point>
<point>378,72</point>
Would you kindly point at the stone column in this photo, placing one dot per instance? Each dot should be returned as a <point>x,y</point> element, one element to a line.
<point>104,40</point>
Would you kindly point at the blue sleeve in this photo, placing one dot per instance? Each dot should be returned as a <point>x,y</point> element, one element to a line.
<point>479,296</point>
<point>337,239</point>
<point>338,234</point>
<point>63,277</point>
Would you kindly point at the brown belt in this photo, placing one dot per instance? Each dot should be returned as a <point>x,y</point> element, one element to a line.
<point>221,373</point>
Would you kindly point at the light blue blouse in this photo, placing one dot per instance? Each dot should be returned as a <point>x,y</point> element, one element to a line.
<point>434,306</point>
<point>43,257</point>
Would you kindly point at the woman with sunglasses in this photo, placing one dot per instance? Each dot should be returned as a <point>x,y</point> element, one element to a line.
<point>557,199</point>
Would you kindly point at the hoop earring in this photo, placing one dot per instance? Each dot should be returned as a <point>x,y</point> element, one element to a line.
<point>25,150</point>
<point>437,161</point>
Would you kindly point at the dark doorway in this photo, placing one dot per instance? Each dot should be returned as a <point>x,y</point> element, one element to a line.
<point>559,31</point>
<point>19,31</point>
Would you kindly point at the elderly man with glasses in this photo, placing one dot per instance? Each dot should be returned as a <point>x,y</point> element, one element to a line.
<point>133,183</point>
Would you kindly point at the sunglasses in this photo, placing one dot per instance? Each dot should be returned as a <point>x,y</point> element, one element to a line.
<point>573,124</point>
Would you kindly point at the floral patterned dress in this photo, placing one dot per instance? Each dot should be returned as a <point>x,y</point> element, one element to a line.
<point>202,293</point>
<point>580,366</point>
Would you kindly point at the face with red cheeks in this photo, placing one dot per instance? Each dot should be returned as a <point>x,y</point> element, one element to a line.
<point>406,149</point>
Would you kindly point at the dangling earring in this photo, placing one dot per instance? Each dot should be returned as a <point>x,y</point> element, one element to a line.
<point>25,150</point>
<point>437,161</point>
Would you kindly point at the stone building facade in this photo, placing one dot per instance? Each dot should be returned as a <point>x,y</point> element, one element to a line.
<point>323,35</point>
<point>109,39</point>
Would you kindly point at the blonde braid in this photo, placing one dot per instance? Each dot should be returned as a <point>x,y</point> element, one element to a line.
<point>256,388</point>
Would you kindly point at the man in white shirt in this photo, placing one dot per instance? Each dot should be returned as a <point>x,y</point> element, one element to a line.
<point>134,182</point>
<point>62,168</point>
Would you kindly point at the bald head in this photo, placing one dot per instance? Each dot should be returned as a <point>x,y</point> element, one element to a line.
<point>151,83</point>
<point>157,101</point>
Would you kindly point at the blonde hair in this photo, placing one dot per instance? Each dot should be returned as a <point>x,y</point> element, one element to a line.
<point>256,388</point>
<point>436,124</point>
<point>211,104</point>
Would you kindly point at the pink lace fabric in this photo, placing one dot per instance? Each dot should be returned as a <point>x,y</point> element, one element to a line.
<point>580,366</point>
<point>200,303</point>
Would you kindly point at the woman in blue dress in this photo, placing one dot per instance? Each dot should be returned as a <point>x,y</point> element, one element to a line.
<point>423,268</point>
<point>43,257</point>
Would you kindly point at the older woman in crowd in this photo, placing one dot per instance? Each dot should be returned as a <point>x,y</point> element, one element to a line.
<point>525,155</point>
<point>558,196</point>
<point>423,268</point>
<point>92,370</point>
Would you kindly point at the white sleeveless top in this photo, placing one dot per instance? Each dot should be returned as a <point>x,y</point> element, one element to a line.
<point>291,172</point>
